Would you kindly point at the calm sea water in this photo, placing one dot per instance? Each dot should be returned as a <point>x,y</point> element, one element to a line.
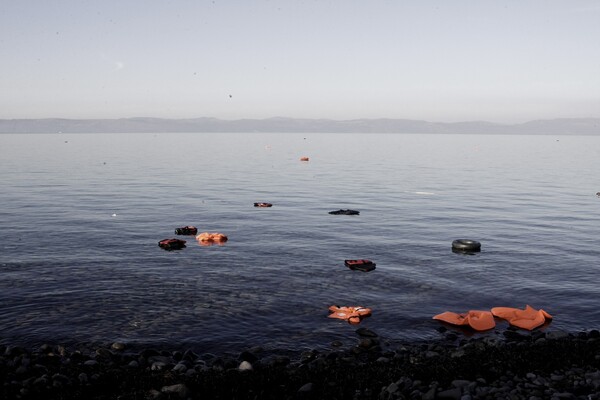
<point>81,216</point>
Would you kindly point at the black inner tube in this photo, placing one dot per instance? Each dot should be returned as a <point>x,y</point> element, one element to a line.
<point>466,245</point>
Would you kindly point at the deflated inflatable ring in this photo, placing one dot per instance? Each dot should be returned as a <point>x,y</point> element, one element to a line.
<point>466,245</point>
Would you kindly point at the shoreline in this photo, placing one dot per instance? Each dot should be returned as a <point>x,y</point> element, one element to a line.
<point>513,365</point>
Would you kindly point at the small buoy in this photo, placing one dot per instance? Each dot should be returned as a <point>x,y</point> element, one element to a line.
<point>598,194</point>
<point>263,205</point>
<point>304,158</point>
<point>114,215</point>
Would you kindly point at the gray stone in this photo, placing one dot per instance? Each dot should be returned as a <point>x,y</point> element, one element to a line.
<point>245,366</point>
<point>41,381</point>
<point>451,394</point>
<point>460,383</point>
<point>83,378</point>
<point>21,370</point>
<point>104,353</point>
<point>133,364</point>
<point>191,373</point>
<point>90,363</point>
<point>118,346</point>
<point>430,394</point>
<point>179,368</point>
<point>393,388</point>
<point>158,366</point>
<point>179,389</point>
<point>306,388</point>
<point>458,353</point>
<point>162,359</point>
<point>564,395</point>
<point>364,332</point>
<point>557,335</point>
<point>154,395</point>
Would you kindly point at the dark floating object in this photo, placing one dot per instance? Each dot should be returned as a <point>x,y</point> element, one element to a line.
<point>598,194</point>
<point>186,230</point>
<point>466,246</point>
<point>172,244</point>
<point>263,205</point>
<point>360,265</point>
<point>344,212</point>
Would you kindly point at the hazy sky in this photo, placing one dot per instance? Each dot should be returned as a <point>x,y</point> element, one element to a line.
<point>438,60</point>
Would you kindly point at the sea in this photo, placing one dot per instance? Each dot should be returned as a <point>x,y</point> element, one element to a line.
<point>81,216</point>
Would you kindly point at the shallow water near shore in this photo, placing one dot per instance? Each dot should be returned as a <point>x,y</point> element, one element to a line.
<point>81,216</point>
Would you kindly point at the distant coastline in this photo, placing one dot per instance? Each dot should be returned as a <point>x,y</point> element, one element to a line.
<point>562,126</point>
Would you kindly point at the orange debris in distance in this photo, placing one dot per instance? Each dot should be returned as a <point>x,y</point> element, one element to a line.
<point>352,314</point>
<point>207,238</point>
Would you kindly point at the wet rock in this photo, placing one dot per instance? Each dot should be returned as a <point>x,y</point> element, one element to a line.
<point>82,378</point>
<point>190,355</point>
<point>306,388</point>
<point>118,346</point>
<point>365,332</point>
<point>557,335</point>
<point>179,368</point>
<point>460,383</point>
<point>247,356</point>
<point>103,354</point>
<point>451,394</point>
<point>514,336</point>
<point>158,366</point>
<point>179,389</point>
<point>245,366</point>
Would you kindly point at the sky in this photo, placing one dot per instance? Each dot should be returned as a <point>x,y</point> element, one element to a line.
<point>434,60</point>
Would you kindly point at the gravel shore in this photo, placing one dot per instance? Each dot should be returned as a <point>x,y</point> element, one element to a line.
<point>509,365</point>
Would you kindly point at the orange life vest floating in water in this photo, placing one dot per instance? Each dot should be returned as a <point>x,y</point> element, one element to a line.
<point>352,314</point>
<point>210,238</point>
<point>478,320</point>
<point>529,318</point>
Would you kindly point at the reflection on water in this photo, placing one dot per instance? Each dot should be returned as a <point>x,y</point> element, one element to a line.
<point>81,217</point>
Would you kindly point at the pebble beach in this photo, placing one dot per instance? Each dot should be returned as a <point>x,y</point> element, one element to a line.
<point>509,364</point>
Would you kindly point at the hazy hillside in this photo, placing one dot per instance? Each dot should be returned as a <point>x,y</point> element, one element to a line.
<point>565,126</point>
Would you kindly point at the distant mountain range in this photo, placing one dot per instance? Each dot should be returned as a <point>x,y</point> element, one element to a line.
<point>563,126</point>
